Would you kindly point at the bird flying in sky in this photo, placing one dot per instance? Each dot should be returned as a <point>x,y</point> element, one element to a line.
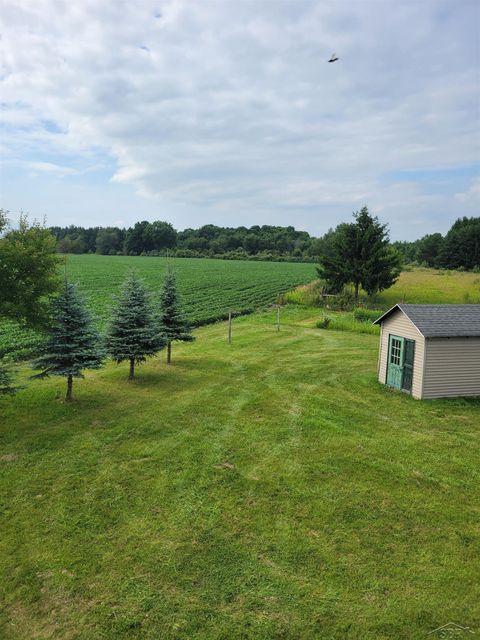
<point>333,58</point>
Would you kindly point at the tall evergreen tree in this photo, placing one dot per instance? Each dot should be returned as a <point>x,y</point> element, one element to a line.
<point>133,334</point>
<point>360,254</point>
<point>73,343</point>
<point>172,321</point>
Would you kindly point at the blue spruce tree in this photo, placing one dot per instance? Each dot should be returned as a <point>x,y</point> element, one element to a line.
<point>133,334</point>
<point>172,321</point>
<point>73,343</point>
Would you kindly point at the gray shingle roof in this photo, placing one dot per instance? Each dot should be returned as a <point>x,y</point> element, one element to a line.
<point>441,320</point>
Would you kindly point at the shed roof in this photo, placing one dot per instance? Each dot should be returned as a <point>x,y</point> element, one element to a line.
<point>441,320</point>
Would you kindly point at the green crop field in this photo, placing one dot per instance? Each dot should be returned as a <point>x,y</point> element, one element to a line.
<point>210,288</point>
<point>266,489</point>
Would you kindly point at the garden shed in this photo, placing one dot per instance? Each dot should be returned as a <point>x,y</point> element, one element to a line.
<point>431,350</point>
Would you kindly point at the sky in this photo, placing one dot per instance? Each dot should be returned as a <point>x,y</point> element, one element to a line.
<point>227,112</point>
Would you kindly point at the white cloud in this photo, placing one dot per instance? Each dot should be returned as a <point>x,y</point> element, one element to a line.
<point>228,112</point>
<point>472,195</point>
<point>50,167</point>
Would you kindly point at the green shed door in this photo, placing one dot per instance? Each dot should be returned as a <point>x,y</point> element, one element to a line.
<point>395,361</point>
<point>408,357</point>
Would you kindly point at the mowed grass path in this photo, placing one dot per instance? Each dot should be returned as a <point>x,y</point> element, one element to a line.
<point>260,490</point>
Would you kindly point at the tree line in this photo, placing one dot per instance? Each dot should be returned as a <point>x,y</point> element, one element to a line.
<point>458,249</point>
<point>157,238</point>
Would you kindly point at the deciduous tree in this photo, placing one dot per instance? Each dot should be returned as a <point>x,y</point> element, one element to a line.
<point>429,248</point>
<point>28,271</point>
<point>109,241</point>
<point>28,275</point>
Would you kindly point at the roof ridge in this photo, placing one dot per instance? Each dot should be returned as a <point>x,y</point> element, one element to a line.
<point>440,320</point>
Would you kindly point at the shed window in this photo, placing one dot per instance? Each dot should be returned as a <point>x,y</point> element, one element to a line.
<point>395,351</point>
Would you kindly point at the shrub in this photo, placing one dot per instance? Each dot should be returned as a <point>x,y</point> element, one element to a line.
<point>346,322</point>
<point>344,301</point>
<point>324,323</point>
<point>311,294</point>
<point>366,315</point>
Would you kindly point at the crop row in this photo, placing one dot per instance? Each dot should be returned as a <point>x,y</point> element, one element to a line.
<point>209,288</point>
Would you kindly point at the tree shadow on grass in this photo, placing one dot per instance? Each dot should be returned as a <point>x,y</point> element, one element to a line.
<point>177,375</point>
<point>38,418</point>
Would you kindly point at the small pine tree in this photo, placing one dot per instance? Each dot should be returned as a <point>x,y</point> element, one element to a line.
<point>172,321</point>
<point>133,331</point>
<point>73,343</point>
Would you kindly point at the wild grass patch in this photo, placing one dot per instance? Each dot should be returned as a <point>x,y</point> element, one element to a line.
<point>348,322</point>
<point>416,285</point>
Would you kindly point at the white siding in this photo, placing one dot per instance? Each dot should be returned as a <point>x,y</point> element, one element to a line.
<point>452,367</point>
<point>398,324</point>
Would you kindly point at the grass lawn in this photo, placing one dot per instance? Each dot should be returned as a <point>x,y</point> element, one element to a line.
<point>260,490</point>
